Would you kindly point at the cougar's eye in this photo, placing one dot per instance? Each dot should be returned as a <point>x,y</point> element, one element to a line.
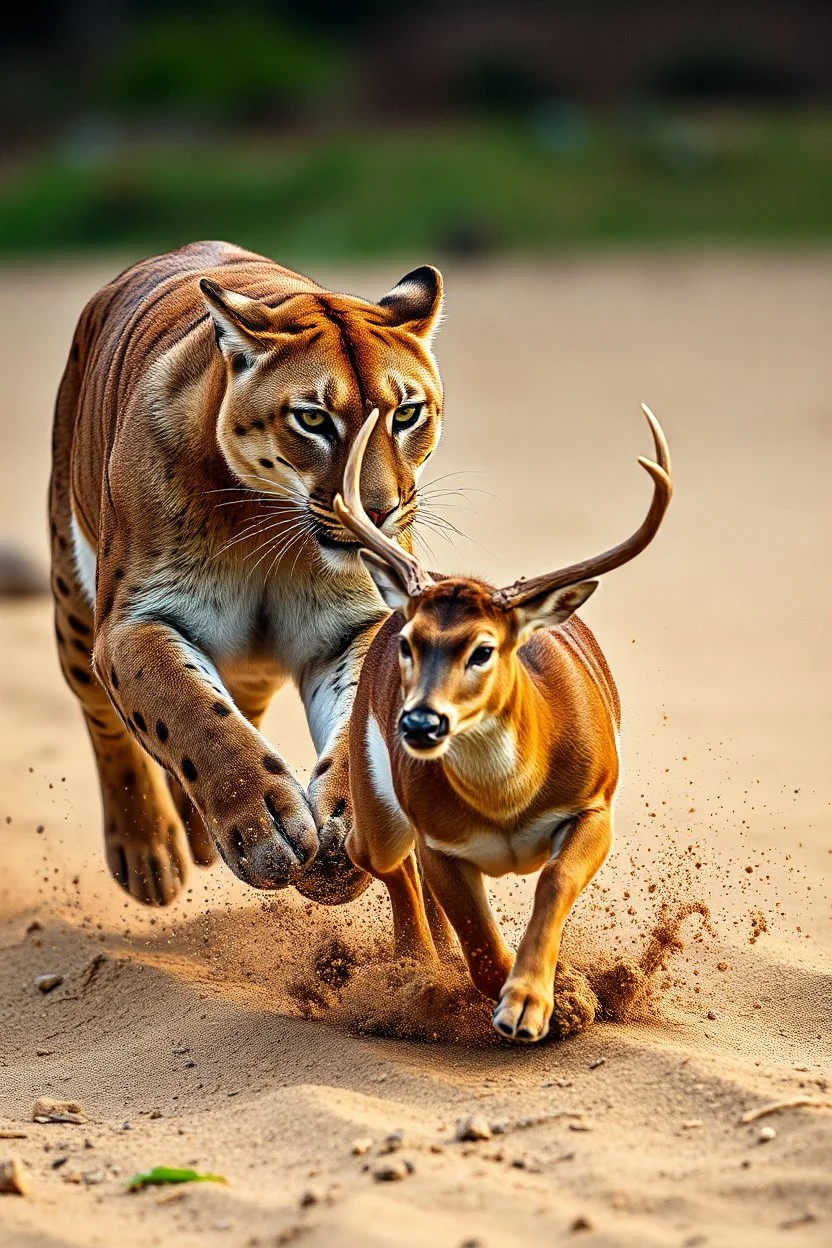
<point>407,415</point>
<point>313,419</point>
<point>480,656</point>
<point>404,648</point>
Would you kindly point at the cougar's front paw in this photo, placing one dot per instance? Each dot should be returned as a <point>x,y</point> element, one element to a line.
<point>332,878</point>
<point>266,835</point>
<point>152,865</point>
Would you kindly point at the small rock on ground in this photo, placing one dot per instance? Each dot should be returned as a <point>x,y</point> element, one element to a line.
<point>473,1128</point>
<point>47,1110</point>
<point>13,1177</point>
<point>393,1171</point>
<point>47,982</point>
<point>581,1223</point>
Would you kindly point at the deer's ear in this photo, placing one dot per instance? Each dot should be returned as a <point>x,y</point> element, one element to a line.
<point>387,583</point>
<point>415,303</point>
<point>552,607</point>
<point>243,327</point>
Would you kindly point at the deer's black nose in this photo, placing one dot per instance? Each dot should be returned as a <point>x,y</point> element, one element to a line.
<point>423,727</point>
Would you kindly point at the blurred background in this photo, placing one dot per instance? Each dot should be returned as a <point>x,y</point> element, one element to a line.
<point>444,128</point>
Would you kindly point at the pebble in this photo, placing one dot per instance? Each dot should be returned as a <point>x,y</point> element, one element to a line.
<point>392,1142</point>
<point>473,1128</point>
<point>581,1223</point>
<point>393,1171</point>
<point>712,1015</point>
<point>765,1134</point>
<point>362,1145</point>
<point>599,1061</point>
<point>46,983</point>
<point>47,1110</point>
<point>13,1177</point>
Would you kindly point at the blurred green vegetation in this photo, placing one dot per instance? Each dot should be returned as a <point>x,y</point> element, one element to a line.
<point>236,66</point>
<point>559,178</point>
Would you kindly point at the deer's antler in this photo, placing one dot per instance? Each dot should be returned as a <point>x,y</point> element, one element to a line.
<point>522,591</point>
<point>350,511</point>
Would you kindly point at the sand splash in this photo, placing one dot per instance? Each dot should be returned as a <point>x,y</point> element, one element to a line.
<point>344,983</point>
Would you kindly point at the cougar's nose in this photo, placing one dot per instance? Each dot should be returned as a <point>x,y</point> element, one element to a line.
<point>423,727</point>
<point>378,517</point>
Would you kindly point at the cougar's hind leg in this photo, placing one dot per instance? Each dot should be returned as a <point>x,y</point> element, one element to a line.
<point>144,840</point>
<point>143,836</point>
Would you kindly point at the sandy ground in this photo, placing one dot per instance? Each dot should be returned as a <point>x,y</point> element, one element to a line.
<point>261,1036</point>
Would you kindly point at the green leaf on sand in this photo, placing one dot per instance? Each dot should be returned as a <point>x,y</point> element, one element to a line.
<point>168,1174</point>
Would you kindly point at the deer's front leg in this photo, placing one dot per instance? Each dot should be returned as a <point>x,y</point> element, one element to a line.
<point>458,887</point>
<point>328,692</point>
<point>524,1011</point>
<point>171,698</point>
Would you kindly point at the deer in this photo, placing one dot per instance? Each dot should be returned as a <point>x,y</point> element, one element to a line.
<point>484,740</point>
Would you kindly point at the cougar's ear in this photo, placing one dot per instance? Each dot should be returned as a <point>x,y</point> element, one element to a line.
<point>416,303</point>
<point>387,583</point>
<point>552,607</point>
<point>242,327</point>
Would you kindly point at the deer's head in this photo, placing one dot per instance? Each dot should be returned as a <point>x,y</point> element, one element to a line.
<point>458,645</point>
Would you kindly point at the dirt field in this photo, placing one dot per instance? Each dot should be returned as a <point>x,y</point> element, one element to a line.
<point>260,1036</point>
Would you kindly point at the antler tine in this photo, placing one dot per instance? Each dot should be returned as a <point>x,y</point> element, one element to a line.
<point>350,511</point>
<point>521,591</point>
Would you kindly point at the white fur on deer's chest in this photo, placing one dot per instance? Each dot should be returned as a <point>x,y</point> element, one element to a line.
<point>381,773</point>
<point>522,850</point>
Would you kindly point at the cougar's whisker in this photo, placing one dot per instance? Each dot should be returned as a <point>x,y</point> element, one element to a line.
<point>284,550</point>
<point>426,546</point>
<point>442,526</point>
<point>303,531</point>
<point>251,533</point>
<point>279,533</point>
<point>460,472</point>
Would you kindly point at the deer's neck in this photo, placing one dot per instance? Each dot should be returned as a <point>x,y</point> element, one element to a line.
<point>496,766</point>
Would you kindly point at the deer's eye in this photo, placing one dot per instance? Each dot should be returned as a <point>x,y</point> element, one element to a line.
<point>480,656</point>
<point>406,415</point>
<point>404,648</point>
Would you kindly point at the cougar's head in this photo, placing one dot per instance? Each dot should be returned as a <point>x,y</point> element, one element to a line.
<point>301,379</point>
